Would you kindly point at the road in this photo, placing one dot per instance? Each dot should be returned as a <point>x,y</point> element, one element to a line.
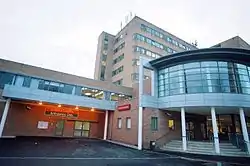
<point>73,152</point>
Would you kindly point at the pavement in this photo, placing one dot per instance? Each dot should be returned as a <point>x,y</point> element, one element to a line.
<point>38,151</point>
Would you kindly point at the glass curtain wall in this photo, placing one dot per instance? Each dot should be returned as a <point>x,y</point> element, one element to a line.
<point>204,77</point>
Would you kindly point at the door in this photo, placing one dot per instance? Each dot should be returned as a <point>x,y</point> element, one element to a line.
<point>81,129</point>
<point>190,130</point>
<point>59,128</point>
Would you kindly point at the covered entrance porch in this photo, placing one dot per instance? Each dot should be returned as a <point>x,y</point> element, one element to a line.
<point>36,118</point>
<point>217,130</point>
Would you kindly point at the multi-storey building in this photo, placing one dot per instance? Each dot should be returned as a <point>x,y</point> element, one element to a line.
<point>195,101</point>
<point>117,57</point>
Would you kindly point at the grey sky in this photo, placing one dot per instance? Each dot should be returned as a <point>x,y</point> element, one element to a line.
<point>62,34</point>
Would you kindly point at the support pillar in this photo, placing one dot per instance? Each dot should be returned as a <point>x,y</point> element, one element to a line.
<point>215,131</point>
<point>183,129</point>
<point>244,129</point>
<point>4,116</point>
<point>140,111</point>
<point>106,125</point>
<point>140,128</point>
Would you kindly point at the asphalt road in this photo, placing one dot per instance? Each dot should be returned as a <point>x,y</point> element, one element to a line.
<point>74,152</point>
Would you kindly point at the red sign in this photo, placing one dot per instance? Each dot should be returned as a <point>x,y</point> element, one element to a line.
<point>124,107</point>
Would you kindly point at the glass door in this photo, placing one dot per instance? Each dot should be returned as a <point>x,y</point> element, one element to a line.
<point>81,129</point>
<point>190,130</point>
<point>59,128</point>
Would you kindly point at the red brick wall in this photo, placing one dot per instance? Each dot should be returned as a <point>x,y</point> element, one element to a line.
<point>125,135</point>
<point>163,134</point>
<point>23,122</point>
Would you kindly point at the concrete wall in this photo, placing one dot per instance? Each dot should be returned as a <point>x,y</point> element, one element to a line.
<point>23,122</point>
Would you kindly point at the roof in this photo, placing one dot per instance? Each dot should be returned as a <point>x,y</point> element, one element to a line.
<point>231,54</point>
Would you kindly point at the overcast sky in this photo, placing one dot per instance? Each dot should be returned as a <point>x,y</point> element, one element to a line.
<point>62,34</point>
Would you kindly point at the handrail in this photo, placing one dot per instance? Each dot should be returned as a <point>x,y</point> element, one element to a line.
<point>162,136</point>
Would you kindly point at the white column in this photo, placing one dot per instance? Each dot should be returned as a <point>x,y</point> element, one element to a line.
<point>244,129</point>
<point>215,131</point>
<point>140,113</point>
<point>106,125</point>
<point>183,129</point>
<point>140,128</point>
<point>4,116</point>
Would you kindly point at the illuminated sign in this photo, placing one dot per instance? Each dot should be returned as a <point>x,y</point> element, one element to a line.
<point>124,107</point>
<point>62,114</point>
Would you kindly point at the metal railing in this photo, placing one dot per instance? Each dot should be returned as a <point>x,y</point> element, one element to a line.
<point>238,141</point>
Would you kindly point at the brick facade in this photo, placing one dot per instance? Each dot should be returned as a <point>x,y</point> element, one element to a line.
<point>23,122</point>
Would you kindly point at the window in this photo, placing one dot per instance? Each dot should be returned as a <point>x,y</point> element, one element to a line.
<point>119,82</point>
<point>146,52</point>
<point>154,123</point>
<point>128,123</point>
<point>104,57</point>
<point>81,129</point>
<point>119,47</point>
<point>118,59</point>
<point>204,77</point>
<point>68,89</point>
<point>6,78</point>
<point>26,82</point>
<point>103,68</point>
<point>117,71</point>
<point>152,43</point>
<point>119,123</point>
<point>164,37</point>
<point>54,86</point>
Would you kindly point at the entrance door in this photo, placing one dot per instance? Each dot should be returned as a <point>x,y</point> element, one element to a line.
<point>59,128</point>
<point>81,129</point>
<point>190,130</point>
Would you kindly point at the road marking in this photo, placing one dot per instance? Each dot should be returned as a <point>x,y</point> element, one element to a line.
<point>81,158</point>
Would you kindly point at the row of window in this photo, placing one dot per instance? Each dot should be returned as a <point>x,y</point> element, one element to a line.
<point>118,82</point>
<point>162,36</point>
<point>54,86</point>
<point>203,77</point>
<point>128,123</point>
<point>118,39</point>
<point>153,43</point>
<point>154,123</point>
<point>146,52</point>
<point>118,59</point>
<point>205,64</point>
<point>121,46</point>
<point>117,71</point>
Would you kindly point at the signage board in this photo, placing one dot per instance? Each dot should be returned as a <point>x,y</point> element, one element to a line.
<point>42,125</point>
<point>62,114</point>
<point>124,107</point>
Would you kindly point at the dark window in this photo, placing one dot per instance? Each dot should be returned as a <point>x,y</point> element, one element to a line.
<point>41,84</point>
<point>26,82</point>
<point>54,87</point>
<point>154,123</point>
<point>103,68</point>
<point>78,91</point>
<point>6,78</point>
<point>68,89</point>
